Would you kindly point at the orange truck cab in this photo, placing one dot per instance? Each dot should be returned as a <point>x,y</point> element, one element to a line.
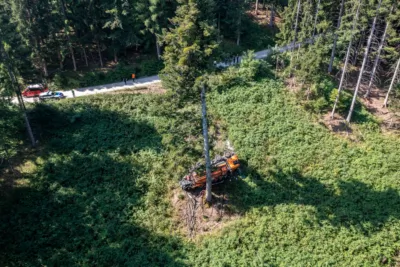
<point>220,170</point>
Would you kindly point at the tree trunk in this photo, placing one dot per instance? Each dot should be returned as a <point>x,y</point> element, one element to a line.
<point>316,19</point>
<point>158,48</point>
<point>360,43</point>
<point>272,16</point>
<point>392,83</point>
<point>44,65</point>
<point>115,56</point>
<point>219,25</point>
<point>238,29</point>
<point>335,38</point>
<point>86,58</point>
<point>377,58</point>
<point>18,92</point>
<point>60,58</point>
<point>206,145</point>
<point>342,78</point>
<point>363,64</point>
<point>345,63</point>
<point>99,52</point>
<point>256,7</point>
<point>296,23</point>
<point>295,36</point>
<point>71,50</point>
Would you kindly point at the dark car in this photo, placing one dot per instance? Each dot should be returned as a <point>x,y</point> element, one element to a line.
<point>51,95</point>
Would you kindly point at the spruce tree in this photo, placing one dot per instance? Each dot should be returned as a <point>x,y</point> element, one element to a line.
<point>189,46</point>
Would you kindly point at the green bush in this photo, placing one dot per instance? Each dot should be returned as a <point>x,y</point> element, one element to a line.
<point>149,67</point>
<point>344,101</point>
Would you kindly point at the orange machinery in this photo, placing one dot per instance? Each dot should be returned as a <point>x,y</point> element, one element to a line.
<point>221,168</point>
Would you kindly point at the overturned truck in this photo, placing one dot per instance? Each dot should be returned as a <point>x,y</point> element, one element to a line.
<point>222,168</point>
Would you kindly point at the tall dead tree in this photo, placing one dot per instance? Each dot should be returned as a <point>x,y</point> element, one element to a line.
<point>206,144</point>
<point>346,61</point>
<point>335,37</point>
<point>377,58</point>
<point>316,19</point>
<point>296,23</point>
<point>353,102</point>
<point>3,54</point>
<point>396,72</point>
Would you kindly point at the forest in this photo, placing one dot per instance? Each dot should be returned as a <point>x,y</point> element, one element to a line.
<point>94,180</point>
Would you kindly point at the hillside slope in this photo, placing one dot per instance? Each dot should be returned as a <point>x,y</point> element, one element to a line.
<point>98,193</point>
<point>310,198</point>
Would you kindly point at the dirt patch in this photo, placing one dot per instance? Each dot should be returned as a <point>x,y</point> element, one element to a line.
<point>195,218</point>
<point>337,124</point>
<point>155,88</point>
<point>374,104</point>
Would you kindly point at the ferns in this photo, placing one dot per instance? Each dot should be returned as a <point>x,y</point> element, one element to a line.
<point>100,193</point>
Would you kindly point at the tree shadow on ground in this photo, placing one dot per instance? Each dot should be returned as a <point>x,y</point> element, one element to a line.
<point>345,203</point>
<point>79,206</point>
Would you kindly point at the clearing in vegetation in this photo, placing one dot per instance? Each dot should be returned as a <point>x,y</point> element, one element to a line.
<point>100,190</point>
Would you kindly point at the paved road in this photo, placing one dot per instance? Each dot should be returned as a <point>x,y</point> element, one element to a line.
<point>155,79</point>
<point>99,89</point>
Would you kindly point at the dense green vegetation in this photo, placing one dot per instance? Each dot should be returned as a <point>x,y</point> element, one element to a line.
<point>100,191</point>
<point>74,39</point>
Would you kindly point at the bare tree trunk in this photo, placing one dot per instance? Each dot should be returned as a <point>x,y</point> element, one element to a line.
<point>99,52</point>
<point>60,58</point>
<point>115,56</point>
<point>296,22</point>
<point>44,65</point>
<point>71,50</point>
<point>256,7</point>
<point>158,49</point>
<point>335,37</point>
<point>315,19</point>
<point>345,63</point>
<point>238,29</point>
<point>392,83</point>
<point>360,43</point>
<point>377,58</point>
<point>206,145</point>
<point>363,64</point>
<point>272,16</point>
<point>219,26</point>
<point>295,36</point>
<point>18,92</point>
<point>86,58</point>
